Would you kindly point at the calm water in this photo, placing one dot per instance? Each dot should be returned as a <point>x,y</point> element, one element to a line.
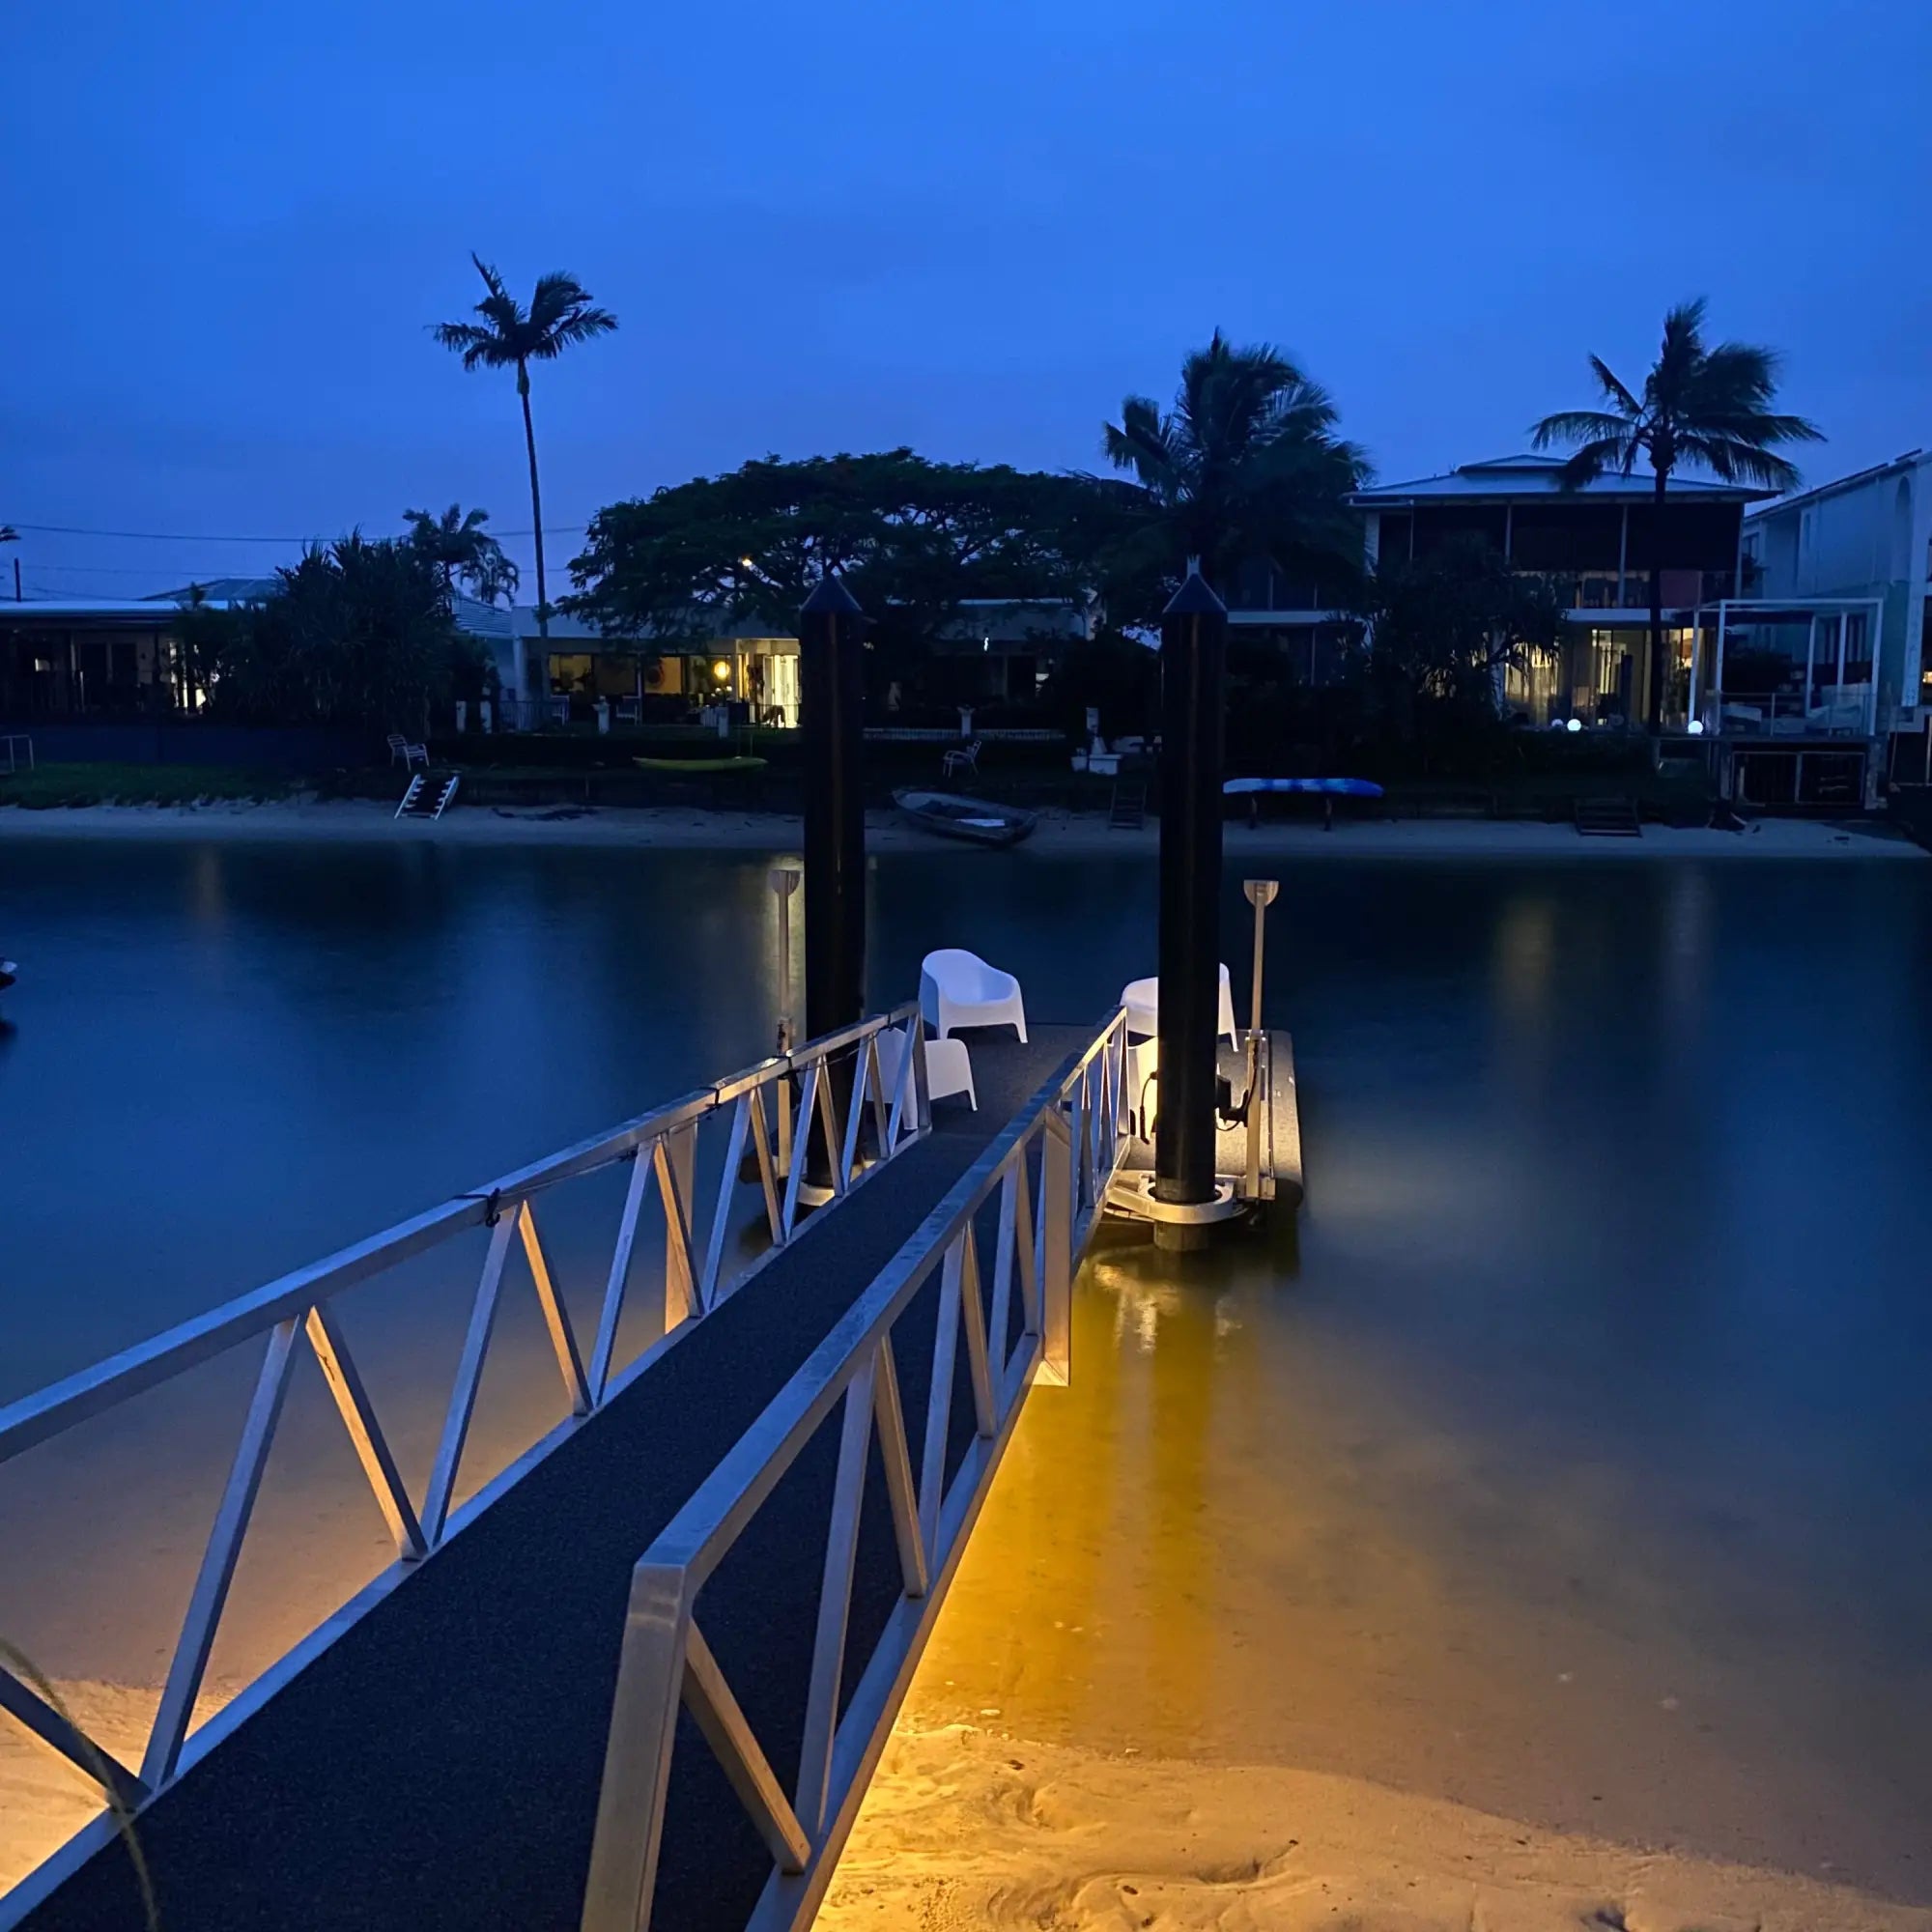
<point>1600,1360</point>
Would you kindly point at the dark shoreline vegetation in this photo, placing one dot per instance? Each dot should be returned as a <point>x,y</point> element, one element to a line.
<point>543,771</point>
<point>1246,473</point>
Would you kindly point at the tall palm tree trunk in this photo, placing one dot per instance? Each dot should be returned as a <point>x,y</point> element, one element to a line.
<point>1655,707</point>
<point>537,518</point>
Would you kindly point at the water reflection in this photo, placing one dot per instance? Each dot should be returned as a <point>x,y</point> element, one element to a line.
<point>1573,1465</point>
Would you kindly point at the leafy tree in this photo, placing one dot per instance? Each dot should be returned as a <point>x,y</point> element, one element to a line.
<point>1439,630</point>
<point>1700,405</point>
<point>510,336</point>
<point>1246,466</point>
<point>356,634</point>
<point>913,540</point>
<point>459,546</point>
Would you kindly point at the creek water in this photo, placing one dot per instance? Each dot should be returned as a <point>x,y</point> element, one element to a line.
<point>1570,1457</point>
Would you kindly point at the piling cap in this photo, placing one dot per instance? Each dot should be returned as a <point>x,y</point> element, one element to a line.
<point>1195,597</point>
<point>829,598</point>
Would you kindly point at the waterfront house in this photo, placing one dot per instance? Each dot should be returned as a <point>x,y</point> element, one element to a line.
<point>992,650</point>
<point>1602,543</point>
<point>1825,565</point>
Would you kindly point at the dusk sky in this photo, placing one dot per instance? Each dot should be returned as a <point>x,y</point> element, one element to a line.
<point>851,225</point>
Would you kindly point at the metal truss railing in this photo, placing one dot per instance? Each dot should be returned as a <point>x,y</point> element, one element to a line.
<point>296,1309</point>
<point>1049,1169</point>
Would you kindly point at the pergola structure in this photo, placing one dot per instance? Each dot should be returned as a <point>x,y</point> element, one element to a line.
<point>1850,711</point>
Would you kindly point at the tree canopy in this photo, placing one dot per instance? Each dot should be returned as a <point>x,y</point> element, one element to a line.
<point>507,335</point>
<point>1439,631</point>
<point>510,336</point>
<point>464,550</point>
<point>357,634</point>
<point>1247,466</point>
<point>1700,405</point>
<point>913,540</point>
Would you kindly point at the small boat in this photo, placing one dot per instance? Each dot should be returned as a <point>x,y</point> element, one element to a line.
<point>977,820</point>
<point>700,767</point>
<point>1328,790</point>
<point>1329,787</point>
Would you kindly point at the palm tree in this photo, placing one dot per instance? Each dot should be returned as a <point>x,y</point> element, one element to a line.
<point>1708,406</point>
<point>460,547</point>
<point>510,336</point>
<point>1247,465</point>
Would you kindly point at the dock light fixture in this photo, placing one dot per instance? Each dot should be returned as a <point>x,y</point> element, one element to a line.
<point>1696,727</point>
<point>1574,724</point>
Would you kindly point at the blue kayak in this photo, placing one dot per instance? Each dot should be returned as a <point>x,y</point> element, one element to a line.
<point>1334,787</point>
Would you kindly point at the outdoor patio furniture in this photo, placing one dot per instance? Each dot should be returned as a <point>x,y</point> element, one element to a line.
<point>559,711</point>
<point>949,1069</point>
<point>630,710</point>
<point>958,988</point>
<point>962,762</point>
<point>1142,1000</point>
<point>406,752</point>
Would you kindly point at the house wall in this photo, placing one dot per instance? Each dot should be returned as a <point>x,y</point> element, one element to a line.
<point>1869,540</point>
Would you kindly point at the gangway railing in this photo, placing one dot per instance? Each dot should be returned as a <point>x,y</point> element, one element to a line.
<point>296,1310</point>
<point>1049,1170</point>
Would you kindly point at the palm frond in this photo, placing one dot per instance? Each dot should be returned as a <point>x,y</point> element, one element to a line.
<point>1613,388</point>
<point>1591,459</point>
<point>1142,443</point>
<point>492,280</point>
<point>554,297</point>
<point>580,326</point>
<point>1578,426</point>
<point>1733,460</point>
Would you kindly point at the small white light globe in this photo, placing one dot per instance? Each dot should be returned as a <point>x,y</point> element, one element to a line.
<point>1575,724</point>
<point>1696,727</point>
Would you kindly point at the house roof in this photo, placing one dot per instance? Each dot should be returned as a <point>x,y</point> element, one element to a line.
<point>1910,458</point>
<point>221,591</point>
<point>130,611</point>
<point>1512,479</point>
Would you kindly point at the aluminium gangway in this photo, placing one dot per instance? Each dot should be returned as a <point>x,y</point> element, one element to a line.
<point>644,1675</point>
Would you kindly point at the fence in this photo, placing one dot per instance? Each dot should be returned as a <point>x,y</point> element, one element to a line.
<point>1062,1153</point>
<point>661,1147</point>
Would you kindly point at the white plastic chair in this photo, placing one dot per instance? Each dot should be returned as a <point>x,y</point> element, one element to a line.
<point>963,763</point>
<point>958,988</point>
<point>1142,1000</point>
<point>948,1067</point>
<point>409,753</point>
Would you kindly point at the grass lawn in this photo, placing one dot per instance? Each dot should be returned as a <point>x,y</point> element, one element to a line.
<point>48,785</point>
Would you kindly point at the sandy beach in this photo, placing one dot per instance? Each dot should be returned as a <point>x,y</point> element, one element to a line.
<point>1058,836</point>
<point>967,1826</point>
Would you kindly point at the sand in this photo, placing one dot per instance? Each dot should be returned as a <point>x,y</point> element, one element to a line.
<point>1059,835</point>
<point>44,1800</point>
<point>967,1826</point>
<point>1246,1639</point>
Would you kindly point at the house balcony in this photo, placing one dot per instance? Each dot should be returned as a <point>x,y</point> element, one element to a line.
<point>1630,590</point>
<point>1829,710</point>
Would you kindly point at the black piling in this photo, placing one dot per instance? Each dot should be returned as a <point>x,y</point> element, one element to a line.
<point>1193,650</point>
<point>832,724</point>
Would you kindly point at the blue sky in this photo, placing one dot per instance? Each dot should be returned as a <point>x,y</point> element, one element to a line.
<point>851,225</point>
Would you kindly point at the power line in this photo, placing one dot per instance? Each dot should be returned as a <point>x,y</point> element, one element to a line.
<point>202,536</point>
<point>147,570</point>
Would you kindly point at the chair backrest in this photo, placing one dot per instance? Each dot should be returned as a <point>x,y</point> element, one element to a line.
<point>890,1042</point>
<point>397,740</point>
<point>957,970</point>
